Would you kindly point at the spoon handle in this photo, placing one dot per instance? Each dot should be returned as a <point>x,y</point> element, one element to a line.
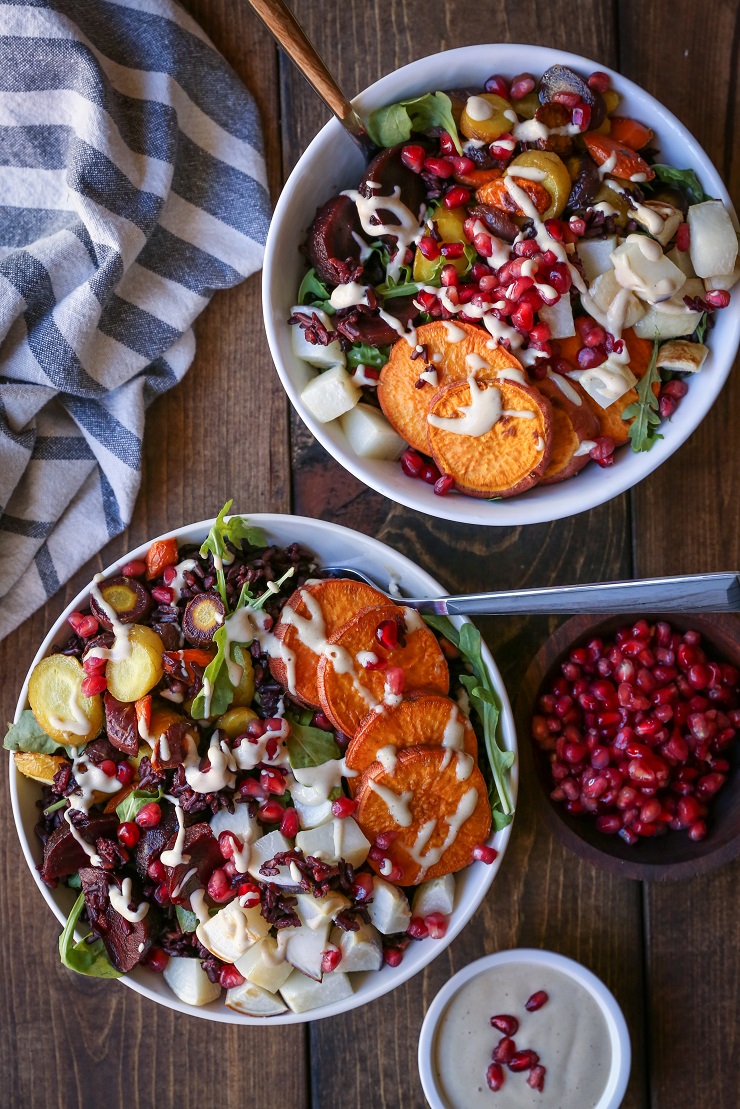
<point>686,593</point>
<point>291,37</point>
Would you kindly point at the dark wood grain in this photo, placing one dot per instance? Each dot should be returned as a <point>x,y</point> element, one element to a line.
<point>687,518</point>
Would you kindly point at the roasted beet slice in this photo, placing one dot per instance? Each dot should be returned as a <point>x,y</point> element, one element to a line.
<point>154,840</point>
<point>126,942</point>
<point>496,221</point>
<point>127,596</point>
<point>205,855</point>
<point>203,616</point>
<point>121,724</point>
<point>362,327</point>
<point>169,633</point>
<point>171,749</point>
<point>101,749</point>
<point>559,81</point>
<point>63,854</point>
<point>586,185</point>
<point>388,171</point>
<point>330,247</point>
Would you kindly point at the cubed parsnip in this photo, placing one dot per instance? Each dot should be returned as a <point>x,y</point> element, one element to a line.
<point>606,383</point>
<point>435,896</point>
<point>681,357</point>
<point>302,993</point>
<point>56,699</point>
<point>187,979</point>
<point>330,394</point>
<point>239,822</point>
<point>311,816</point>
<point>672,318</point>
<point>232,931</point>
<point>314,912</point>
<point>713,244</point>
<point>314,353</point>
<point>388,909</point>
<point>342,839</point>
<point>559,318</point>
<point>682,259</point>
<point>604,291</point>
<point>253,1001</point>
<point>370,435</point>
<point>305,947</point>
<point>132,677</point>
<point>672,219</point>
<point>266,848</point>
<point>642,267</point>
<point>262,965</point>
<point>360,950</point>
<point>595,256</point>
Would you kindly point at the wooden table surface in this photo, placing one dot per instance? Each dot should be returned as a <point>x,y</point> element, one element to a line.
<point>670,953</point>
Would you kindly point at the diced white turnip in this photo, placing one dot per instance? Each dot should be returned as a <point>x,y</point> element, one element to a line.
<point>330,394</point>
<point>360,950</point>
<point>253,1001</point>
<point>314,353</point>
<point>239,822</point>
<point>260,965</point>
<point>713,243</point>
<point>302,993</point>
<point>370,435</point>
<point>187,979</point>
<point>595,256</point>
<point>559,318</point>
<point>317,911</point>
<point>311,816</point>
<point>342,839</point>
<point>682,357</point>
<point>266,848</point>
<point>652,279</point>
<point>389,909</point>
<point>672,318</point>
<point>602,295</point>
<point>232,931</point>
<point>671,216</point>
<point>435,896</point>
<point>615,382</point>
<point>305,947</point>
<point>682,259</point>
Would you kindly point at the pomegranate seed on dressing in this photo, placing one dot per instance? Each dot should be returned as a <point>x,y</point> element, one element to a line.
<point>495,1076</point>
<point>536,1001</point>
<point>504,1051</point>
<point>523,1060</point>
<point>505,1023</point>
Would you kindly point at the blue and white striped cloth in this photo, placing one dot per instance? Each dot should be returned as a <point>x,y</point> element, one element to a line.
<point>132,186</point>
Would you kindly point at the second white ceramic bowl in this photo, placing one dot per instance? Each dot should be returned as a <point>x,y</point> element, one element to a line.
<point>332,162</point>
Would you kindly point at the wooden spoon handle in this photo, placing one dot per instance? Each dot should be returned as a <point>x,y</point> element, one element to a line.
<point>281,23</point>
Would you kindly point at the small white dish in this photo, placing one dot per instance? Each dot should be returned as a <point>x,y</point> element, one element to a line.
<point>621,1056</point>
<point>332,545</point>
<point>332,162</point>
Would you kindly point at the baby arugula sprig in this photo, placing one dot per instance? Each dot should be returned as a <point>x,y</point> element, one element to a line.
<point>642,431</point>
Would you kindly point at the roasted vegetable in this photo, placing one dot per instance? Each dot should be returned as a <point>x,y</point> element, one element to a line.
<point>556,180</point>
<point>36,765</point>
<point>562,85</point>
<point>162,553</point>
<point>622,161</point>
<point>126,596</point>
<point>203,616</point>
<point>234,721</point>
<point>56,699</point>
<point>483,117</point>
<point>132,677</point>
<point>121,724</point>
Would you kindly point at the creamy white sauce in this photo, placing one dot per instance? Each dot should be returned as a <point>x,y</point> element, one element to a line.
<point>198,905</point>
<point>406,229</point>
<point>178,583</point>
<point>175,857</point>
<point>120,899</point>
<point>478,417</point>
<point>565,387</point>
<point>478,108</point>
<point>426,859</point>
<point>348,295</point>
<point>121,648</point>
<point>388,757</point>
<point>454,333</point>
<point>584,448</point>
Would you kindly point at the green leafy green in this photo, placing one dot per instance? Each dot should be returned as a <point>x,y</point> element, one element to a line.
<point>235,530</point>
<point>642,431</point>
<point>187,920</point>
<point>684,179</point>
<point>315,294</point>
<point>483,699</point>
<point>435,274</point>
<point>85,958</point>
<point>395,123</point>
<point>28,735</point>
<point>310,747</point>
<point>74,882</point>
<point>360,354</point>
<point>129,808</point>
<point>389,291</point>
<point>701,327</point>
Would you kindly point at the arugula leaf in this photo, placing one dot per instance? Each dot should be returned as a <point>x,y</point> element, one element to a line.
<point>701,327</point>
<point>394,124</point>
<point>314,294</point>
<point>483,699</point>
<point>684,179</point>
<point>235,530</point>
<point>187,920</point>
<point>435,274</point>
<point>360,354</point>
<point>310,746</point>
<point>85,958</point>
<point>645,409</point>
<point>134,802</point>
<point>28,735</point>
<point>407,289</point>
<point>74,882</point>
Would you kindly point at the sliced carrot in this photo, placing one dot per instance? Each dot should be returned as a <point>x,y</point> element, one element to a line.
<point>498,196</point>
<point>624,162</point>
<point>630,132</point>
<point>478,177</point>
<point>143,709</point>
<point>174,661</point>
<point>116,799</point>
<point>162,553</point>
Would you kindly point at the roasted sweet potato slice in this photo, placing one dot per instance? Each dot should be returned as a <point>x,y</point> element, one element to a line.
<point>406,407</point>
<point>348,691</point>
<point>311,615</point>
<point>506,453</point>
<point>498,196</point>
<point>437,805</point>
<point>428,720</point>
<point>573,424</point>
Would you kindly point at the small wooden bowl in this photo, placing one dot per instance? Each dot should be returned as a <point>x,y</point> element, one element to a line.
<point>668,857</point>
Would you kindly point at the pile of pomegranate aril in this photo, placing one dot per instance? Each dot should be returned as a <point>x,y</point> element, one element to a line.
<point>639,731</point>
<point>507,1054</point>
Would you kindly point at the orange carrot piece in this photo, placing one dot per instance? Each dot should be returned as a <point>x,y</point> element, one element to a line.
<point>160,554</point>
<point>623,160</point>
<point>630,132</point>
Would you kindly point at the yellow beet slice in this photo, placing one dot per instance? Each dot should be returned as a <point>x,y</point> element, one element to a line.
<point>495,124</point>
<point>56,699</point>
<point>557,180</point>
<point>38,766</point>
<point>132,677</point>
<point>244,692</point>
<point>234,721</point>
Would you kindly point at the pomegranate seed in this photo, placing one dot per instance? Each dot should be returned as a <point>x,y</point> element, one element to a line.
<point>169,574</point>
<point>156,871</point>
<point>249,895</point>
<point>392,956</point>
<point>411,463</point>
<point>93,665</point>
<point>484,854</point>
<point>162,894</point>
<point>163,595</point>
<point>567,99</point>
<point>536,1077</point>
<point>521,85</point>
<point>666,406</point>
<point>457,197</point>
<point>125,773</point>
<point>449,277</point>
<point>436,925</point>
<point>128,833</point>
<point>609,824</point>
<point>581,116</point>
<point>229,977</point>
<point>698,831</point>
<point>290,824</point>
<point>505,1023</point>
<point>461,164</point>
<point>577,225</point>
<point>395,680</point>
<point>599,81</point>
<point>440,167</point>
<point>136,568</point>
<point>590,357</point>
<point>523,1060</point>
<point>417,929</point>
<point>717,298</point>
<point>540,333</point>
<point>495,1077</point>
<point>93,684</point>
<point>452,250</point>
<point>429,247</point>
<point>504,1051</point>
<point>386,634</point>
<point>271,812</point>
<point>344,806</point>
<point>683,237</point>
<point>157,960</point>
<point>413,157</point>
<point>108,767</point>
<point>523,317</point>
<point>483,243</point>
<point>498,85</point>
<point>219,886</point>
<point>330,960</point>
<point>363,887</point>
<point>536,1001</point>
<point>595,337</point>
<point>149,815</point>
<point>444,485</point>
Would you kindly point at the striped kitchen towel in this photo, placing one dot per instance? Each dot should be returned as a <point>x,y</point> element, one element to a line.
<point>132,186</point>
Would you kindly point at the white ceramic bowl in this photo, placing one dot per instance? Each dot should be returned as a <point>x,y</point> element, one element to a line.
<point>332,162</point>
<point>332,545</point>
<point>616,1025</point>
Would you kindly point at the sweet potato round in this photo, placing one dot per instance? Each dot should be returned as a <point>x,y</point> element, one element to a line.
<point>573,424</point>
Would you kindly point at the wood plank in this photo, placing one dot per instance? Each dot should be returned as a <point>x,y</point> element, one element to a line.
<point>693,937</point>
<point>223,432</point>
<point>543,896</point>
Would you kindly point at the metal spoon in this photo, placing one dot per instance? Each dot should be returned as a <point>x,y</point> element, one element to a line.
<point>291,37</point>
<point>685,593</point>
